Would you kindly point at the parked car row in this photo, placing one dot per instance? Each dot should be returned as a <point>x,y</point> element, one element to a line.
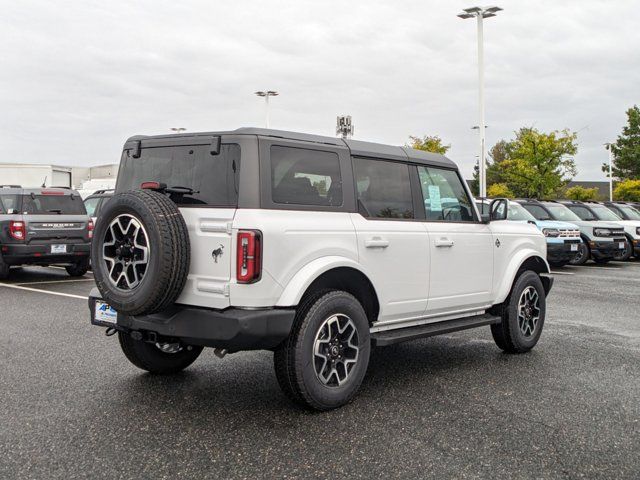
<point>578,231</point>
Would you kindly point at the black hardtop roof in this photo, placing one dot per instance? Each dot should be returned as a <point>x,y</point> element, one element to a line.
<point>357,147</point>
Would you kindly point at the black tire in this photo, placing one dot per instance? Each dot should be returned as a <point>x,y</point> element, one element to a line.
<point>624,255</point>
<point>582,256</point>
<point>168,261</point>
<point>508,334</point>
<point>558,264</point>
<point>4,270</point>
<point>78,269</point>
<point>149,357</point>
<point>297,375</point>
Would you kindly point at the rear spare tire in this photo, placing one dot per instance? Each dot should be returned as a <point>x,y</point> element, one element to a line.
<point>140,252</point>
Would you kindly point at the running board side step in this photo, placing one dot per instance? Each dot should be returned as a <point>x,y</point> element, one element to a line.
<point>389,337</point>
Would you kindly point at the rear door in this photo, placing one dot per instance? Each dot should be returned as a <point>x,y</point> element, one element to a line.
<point>56,218</point>
<point>208,211</point>
<point>461,270</point>
<point>393,245</point>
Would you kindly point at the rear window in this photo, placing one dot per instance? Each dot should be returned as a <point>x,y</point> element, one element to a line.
<point>9,204</point>
<point>301,176</point>
<point>53,204</point>
<point>213,178</point>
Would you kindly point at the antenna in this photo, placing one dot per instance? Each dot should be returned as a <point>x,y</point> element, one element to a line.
<point>44,182</point>
<point>344,127</point>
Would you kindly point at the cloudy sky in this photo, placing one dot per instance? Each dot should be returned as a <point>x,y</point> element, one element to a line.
<point>78,78</point>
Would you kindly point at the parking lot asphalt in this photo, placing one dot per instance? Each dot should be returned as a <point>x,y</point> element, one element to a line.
<point>446,407</point>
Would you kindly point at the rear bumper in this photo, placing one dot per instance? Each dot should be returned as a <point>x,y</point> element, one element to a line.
<point>16,254</point>
<point>233,329</point>
<point>561,251</point>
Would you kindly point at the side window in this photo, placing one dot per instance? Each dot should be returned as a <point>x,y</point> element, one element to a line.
<point>582,212</point>
<point>384,189</point>
<point>538,212</point>
<point>90,204</point>
<point>300,176</point>
<point>445,198</point>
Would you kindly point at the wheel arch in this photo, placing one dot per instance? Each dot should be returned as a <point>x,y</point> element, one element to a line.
<point>524,261</point>
<point>332,273</point>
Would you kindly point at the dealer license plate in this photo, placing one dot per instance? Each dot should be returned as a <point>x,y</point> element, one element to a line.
<point>105,313</point>
<point>574,247</point>
<point>621,245</point>
<point>58,249</point>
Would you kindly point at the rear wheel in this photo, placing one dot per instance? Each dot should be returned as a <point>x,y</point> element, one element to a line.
<point>4,270</point>
<point>323,361</point>
<point>78,269</point>
<point>159,358</point>
<point>523,315</point>
<point>582,256</point>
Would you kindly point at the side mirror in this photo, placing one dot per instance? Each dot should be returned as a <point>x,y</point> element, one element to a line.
<point>498,209</point>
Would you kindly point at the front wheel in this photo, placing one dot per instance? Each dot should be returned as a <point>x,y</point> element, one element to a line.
<point>625,253</point>
<point>582,256</point>
<point>323,361</point>
<point>159,358</point>
<point>523,315</point>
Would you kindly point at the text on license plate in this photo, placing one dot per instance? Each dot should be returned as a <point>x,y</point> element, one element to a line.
<point>105,313</point>
<point>574,247</point>
<point>58,249</point>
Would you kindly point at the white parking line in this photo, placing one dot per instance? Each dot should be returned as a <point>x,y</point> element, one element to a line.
<point>562,273</point>
<point>56,281</point>
<point>18,287</point>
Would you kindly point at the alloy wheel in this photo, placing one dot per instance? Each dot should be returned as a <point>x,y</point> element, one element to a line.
<point>125,251</point>
<point>528,311</point>
<point>335,350</point>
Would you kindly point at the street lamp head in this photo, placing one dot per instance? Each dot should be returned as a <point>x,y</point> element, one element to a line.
<point>473,10</point>
<point>464,16</point>
<point>493,9</point>
<point>272,93</point>
<point>261,94</point>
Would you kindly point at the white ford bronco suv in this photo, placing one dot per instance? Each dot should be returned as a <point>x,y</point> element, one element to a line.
<point>316,248</point>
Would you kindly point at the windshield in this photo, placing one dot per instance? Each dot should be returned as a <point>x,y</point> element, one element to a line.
<point>518,212</point>
<point>630,212</point>
<point>53,204</point>
<point>205,179</point>
<point>560,212</point>
<point>603,213</point>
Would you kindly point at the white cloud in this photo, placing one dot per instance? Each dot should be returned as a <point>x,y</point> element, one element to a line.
<point>77,78</point>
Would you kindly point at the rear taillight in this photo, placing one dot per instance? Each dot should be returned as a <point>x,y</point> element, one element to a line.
<point>90,228</point>
<point>249,256</point>
<point>17,230</point>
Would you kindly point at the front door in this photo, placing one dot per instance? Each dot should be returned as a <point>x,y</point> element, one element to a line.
<point>461,270</point>
<point>392,245</point>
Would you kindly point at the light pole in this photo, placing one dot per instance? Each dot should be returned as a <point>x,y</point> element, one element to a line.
<point>608,147</point>
<point>266,95</point>
<point>178,129</point>
<point>480,14</point>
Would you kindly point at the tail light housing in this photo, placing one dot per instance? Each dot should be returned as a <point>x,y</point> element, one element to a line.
<point>90,227</point>
<point>17,229</point>
<point>249,256</point>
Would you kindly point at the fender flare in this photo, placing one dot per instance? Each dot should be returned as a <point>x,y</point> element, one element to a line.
<point>298,285</point>
<point>514,266</point>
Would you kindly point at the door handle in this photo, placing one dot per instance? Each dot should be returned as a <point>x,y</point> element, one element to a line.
<point>376,242</point>
<point>444,242</point>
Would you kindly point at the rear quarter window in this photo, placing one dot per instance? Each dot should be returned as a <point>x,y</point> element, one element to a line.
<point>9,204</point>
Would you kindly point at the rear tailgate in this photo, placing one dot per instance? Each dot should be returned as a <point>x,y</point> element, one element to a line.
<point>60,229</point>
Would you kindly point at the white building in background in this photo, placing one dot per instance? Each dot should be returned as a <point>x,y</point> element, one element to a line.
<point>84,179</point>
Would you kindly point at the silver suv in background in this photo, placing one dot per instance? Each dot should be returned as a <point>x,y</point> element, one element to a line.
<point>43,226</point>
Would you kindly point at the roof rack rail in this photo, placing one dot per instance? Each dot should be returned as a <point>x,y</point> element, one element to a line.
<point>10,186</point>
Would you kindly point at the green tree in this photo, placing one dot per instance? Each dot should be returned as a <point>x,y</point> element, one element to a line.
<point>429,143</point>
<point>499,190</point>
<point>495,168</point>
<point>581,193</point>
<point>627,190</point>
<point>539,164</point>
<point>626,149</point>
